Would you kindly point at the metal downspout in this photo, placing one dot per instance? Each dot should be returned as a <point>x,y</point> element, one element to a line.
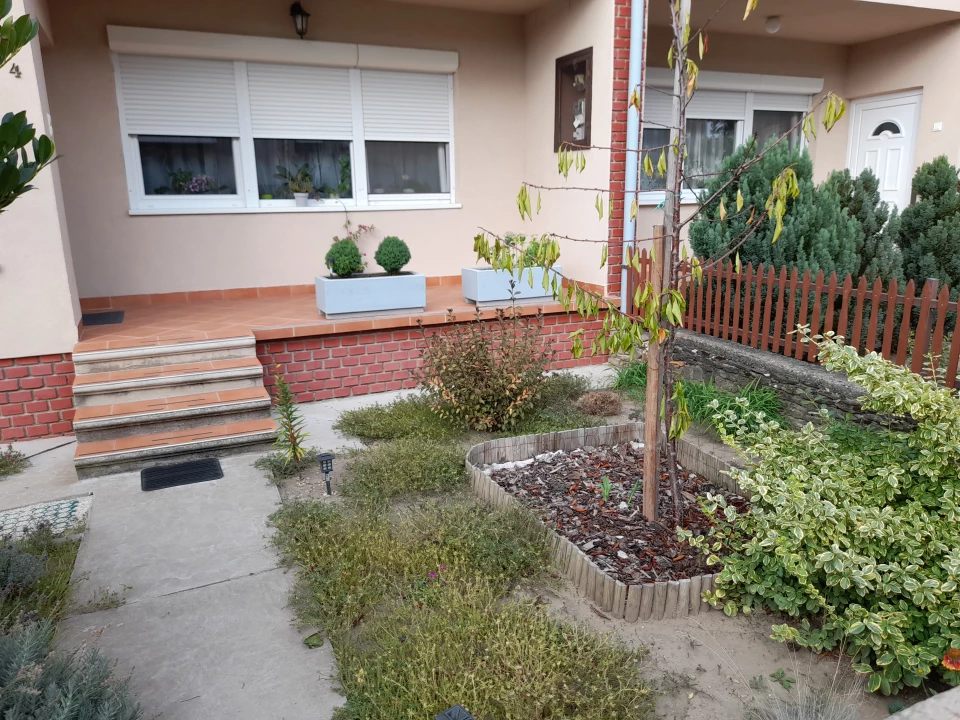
<point>635,78</point>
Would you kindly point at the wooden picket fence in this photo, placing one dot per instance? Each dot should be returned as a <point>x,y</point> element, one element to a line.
<point>762,307</point>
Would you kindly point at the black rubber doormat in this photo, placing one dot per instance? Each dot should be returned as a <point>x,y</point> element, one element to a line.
<point>114,317</point>
<point>186,473</point>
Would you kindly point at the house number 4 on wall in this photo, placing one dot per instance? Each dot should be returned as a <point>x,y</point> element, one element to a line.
<point>15,70</point>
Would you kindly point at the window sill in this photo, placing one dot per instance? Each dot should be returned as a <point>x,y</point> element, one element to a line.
<point>378,207</point>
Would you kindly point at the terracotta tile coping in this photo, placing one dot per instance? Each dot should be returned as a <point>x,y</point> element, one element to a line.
<point>122,302</point>
<point>173,437</point>
<point>181,402</point>
<point>322,326</point>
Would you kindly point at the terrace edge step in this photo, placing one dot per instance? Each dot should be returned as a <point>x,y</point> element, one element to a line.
<point>160,449</point>
<point>174,348</point>
<point>173,413</point>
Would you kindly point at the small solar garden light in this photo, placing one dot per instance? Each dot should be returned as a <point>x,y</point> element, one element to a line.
<point>457,712</point>
<point>326,467</point>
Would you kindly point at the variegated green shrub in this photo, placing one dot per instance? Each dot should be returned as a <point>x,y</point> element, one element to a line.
<point>855,535</point>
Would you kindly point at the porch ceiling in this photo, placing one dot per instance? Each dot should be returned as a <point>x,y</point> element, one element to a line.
<point>509,7</point>
<point>838,22</point>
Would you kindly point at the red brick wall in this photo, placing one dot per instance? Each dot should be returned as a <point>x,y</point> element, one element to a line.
<point>618,157</point>
<point>335,366</point>
<point>36,397</point>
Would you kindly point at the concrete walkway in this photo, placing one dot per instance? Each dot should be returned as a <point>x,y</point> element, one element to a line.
<point>204,629</point>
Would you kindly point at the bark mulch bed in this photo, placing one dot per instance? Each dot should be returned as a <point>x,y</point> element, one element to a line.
<point>566,491</point>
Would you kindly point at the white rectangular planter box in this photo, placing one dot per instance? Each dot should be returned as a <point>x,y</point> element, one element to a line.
<point>362,295</point>
<point>486,286</point>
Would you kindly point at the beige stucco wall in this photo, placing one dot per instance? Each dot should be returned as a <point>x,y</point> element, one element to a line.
<point>39,309</point>
<point>927,60</point>
<point>558,29</point>
<point>117,254</point>
<point>766,56</point>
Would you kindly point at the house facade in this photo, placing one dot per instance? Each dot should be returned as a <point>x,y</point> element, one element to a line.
<point>174,121</point>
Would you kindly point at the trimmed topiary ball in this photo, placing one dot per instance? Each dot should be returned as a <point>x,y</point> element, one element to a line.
<point>344,258</point>
<point>392,255</point>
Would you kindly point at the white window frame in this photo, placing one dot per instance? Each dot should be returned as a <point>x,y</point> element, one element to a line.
<point>240,50</point>
<point>755,89</point>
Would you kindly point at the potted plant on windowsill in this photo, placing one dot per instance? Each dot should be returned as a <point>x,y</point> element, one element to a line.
<point>485,286</point>
<point>300,184</point>
<point>347,293</point>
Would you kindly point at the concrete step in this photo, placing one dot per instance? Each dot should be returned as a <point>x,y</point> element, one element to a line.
<point>107,422</point>
<point>155,355</point>
<point>165,381</point>
<point>166,448</point>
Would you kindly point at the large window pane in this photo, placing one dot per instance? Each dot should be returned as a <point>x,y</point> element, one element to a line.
<point>327,163</point>
<point>397,168</point>
<point>771,124</point>
<point>187,165</point>
<point>654,139</point>
<point>708,143</point>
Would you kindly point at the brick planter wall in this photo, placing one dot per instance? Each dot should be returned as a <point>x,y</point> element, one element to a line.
<point>335,366</point>
<point>36,397</point>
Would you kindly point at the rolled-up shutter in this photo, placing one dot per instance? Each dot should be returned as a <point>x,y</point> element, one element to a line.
<point>299,103</point>
<point>657,109</point>
<point>781,102</point>
<point>178,96</point>
<point>406,106</point>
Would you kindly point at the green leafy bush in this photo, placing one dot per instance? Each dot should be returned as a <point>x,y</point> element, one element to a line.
<point>404,465</point>
<point>817,233</point>
<point>344,259</point>
<point>486,374</point>
<point>36,683</point>
<point>930,228</point>
<point>853,532</point>
<point>404,417</point>
<point>392,255</point>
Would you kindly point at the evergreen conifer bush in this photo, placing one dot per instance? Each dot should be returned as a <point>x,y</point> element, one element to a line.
<point>291,440</point>
<point>817,233</point>
<point>879,225</point>
<point>392,255</point>
<point>930,228</point>
<point>854,537</point>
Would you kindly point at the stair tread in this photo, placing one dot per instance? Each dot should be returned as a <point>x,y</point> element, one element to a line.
<point>170,404</point>
<point>194,368</point>
<point>173,437</point>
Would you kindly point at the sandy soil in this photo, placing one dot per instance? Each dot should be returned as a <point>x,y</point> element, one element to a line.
<point>703,665</point>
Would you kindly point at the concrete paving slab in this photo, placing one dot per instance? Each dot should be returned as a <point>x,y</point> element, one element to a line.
<point>183,537</point>
<point>226,650</point>
<point>49,476</point>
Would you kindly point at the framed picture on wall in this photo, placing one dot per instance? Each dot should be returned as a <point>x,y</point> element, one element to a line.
<point>573,99</point>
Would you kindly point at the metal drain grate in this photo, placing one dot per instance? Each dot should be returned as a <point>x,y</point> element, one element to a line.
<point>114,317</point>
<point>194,471</point>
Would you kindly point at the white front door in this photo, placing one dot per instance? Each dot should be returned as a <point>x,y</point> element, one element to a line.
<point>883,138</point>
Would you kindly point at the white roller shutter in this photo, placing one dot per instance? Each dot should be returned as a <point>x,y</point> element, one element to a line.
<point>406,106</point>
<point>299,103</point>
<point>657,109</point>
<point>717,105</point>
<point>177,96</point>
<point>777,101</point>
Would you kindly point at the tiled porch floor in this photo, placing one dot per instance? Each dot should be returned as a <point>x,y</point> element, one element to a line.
<point>265,318</point>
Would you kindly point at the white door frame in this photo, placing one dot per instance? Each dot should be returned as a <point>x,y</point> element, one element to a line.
<point>867,103</point>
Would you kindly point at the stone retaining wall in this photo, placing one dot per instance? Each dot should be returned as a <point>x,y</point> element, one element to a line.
<point>647,601</point>
<point>802,386</point>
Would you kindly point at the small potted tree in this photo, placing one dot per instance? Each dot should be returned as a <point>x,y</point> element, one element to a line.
<point>300,184</point>
<point>485,286</point>
<point>346,292</point>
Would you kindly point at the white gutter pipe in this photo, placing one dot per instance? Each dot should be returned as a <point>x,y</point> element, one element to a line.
<point>635,79</point>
